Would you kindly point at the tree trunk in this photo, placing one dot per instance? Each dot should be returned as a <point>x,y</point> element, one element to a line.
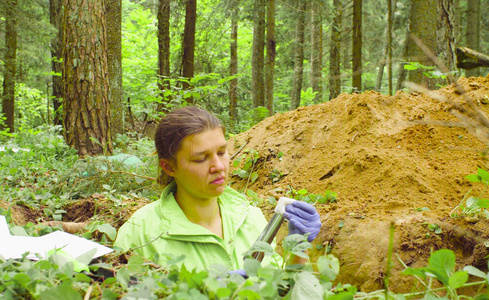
<point>422,25</point>
<point>299,55</point>
<point>189,44</point>
<point>164,53</point>
<point>86,104</point>
<point>357,46</point>
<point>8,101</point>
<point>457,22</point>
<point>472,33</point>
<point>390,16</point>
<point>317,50</point>
<point>257,57</point>
<point>114,60</point>
<point>233,68</point>
<point>270,65</point>
<point>334,53</point>
<point>386,53</point>
<point>445,35</point>
<point>403,72</point>
<point>56,19</point>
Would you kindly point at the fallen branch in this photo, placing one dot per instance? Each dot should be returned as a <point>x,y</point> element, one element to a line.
<point>469,59</point>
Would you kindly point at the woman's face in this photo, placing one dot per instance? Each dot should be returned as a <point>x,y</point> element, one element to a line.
<point>202,165</point>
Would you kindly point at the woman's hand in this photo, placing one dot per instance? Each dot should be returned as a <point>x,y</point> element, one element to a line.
<point>303,218</point>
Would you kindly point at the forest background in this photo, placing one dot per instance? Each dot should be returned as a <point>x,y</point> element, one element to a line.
<point>236,58</point>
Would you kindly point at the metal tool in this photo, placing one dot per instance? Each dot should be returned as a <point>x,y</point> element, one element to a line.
<point>270,231</point>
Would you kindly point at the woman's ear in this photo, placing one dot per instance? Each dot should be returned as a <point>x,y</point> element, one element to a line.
<point>167,166</point>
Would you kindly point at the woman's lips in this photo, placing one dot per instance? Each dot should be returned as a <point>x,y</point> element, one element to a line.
<point>218,181</point>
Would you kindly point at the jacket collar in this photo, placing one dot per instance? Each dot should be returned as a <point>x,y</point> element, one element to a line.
<point>234,209</point>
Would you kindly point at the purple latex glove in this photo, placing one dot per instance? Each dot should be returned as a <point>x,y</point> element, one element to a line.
<point>239,272</point>
<point>303,218</point>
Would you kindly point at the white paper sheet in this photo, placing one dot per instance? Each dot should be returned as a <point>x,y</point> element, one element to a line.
<point>15,246</point>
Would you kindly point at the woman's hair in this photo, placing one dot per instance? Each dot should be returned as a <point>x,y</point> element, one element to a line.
<point>177,125</point>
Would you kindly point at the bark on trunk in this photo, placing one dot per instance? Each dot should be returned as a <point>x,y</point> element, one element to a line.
<point>114,59</point>
<point>8,101</point>
<point>386,55</point>
<point>472,33</point>
<point>334,53</point>
<point>189,44</point>
<point>317,50</point>
<point>299,55</point>
<point>270,65</point>
<point>257,57</point>
<point>85,78</point>
<point>445,35</point>
<point>164,53</point>
<point>233,69</point>
<point>357,46</point>
<point>56,19</point>
<point>422,25</point>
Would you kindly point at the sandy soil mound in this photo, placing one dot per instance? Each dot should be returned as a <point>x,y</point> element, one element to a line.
<point>400,159</point>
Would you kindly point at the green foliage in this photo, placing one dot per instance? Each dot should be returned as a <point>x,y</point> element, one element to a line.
<point>474,206</point>
<point>31,107</point>
<point>248,161</point>
<point>441,266</point>
<point>304,195</point>
<point>428,71</point>
<point>38,169</point>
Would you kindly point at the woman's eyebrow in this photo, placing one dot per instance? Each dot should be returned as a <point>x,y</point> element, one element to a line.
<point>223,146</point>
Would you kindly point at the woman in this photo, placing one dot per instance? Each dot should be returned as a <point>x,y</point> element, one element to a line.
<point>198,215</point>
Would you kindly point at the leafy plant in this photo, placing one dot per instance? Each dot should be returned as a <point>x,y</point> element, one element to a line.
<point>304,195</point>
<point>474,206</point>
<point>248,170</point>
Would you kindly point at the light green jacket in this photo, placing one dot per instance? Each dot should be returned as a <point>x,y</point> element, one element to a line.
<point>164,229</point>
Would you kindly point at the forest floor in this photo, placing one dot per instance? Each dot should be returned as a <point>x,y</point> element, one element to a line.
<point>398,160</point>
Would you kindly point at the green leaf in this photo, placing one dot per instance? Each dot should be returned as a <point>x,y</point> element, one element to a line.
<point>251,266</point>
<point>420,272</point>
<point>108,294</point>
<point>329,267</point>
<point>458,279</point>
<point>249,294</point>
<point>441,264</point>
<point>302,192</point>
<point>254,177</point>
<point>483,174</point>
<point>135,263</point>
<point>22,279</point>
<point>243,174</point>
<point>475,272</point>
<point>64,291</point>
<point>307,286</point>
<point>108,229</point>
<point>473,178</point>
<point>483,203</point>
<point>223,292</point>
<point>410,66</point>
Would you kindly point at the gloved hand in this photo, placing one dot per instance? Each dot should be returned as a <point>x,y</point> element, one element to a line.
<point>239,272</point>
<point>303,218</point>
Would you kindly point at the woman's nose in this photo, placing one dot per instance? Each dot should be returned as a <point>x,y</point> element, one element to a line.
<point>217,164</point>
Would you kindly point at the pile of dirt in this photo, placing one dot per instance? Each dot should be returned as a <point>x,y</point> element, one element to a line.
<point>398,159</point>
